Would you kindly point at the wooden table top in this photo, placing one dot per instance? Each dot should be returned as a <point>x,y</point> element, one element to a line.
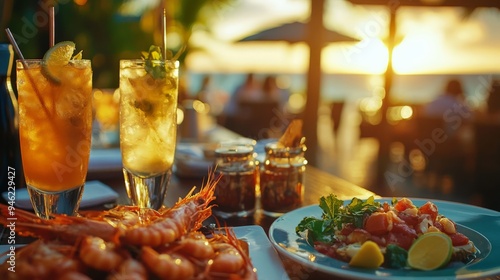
<point>317,184</point>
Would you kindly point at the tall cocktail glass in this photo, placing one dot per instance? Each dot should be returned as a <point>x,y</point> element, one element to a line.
<point>55,127</point>
<point>148,128</point>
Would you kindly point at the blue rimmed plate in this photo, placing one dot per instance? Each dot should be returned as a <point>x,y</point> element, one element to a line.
<point>481,225</point>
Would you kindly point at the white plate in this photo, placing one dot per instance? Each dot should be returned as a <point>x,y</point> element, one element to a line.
<point>262,253</point>
<point>482,226</point>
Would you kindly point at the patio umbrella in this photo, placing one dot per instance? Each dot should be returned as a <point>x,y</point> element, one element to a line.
<point>295,32</point>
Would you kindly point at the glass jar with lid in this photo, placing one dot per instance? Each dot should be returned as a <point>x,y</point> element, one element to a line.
<point>235,191</point>
<point>282,179</point>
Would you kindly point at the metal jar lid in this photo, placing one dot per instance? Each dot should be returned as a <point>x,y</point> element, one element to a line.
<point>280,151</point>
<point>234,151</point>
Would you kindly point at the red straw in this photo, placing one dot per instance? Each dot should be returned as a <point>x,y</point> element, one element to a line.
<point>52,27</point>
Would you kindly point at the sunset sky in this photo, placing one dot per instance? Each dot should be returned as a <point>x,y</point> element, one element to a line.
<point>432,40</point>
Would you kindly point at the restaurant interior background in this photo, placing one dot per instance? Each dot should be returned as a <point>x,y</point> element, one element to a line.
<point>432,45</point>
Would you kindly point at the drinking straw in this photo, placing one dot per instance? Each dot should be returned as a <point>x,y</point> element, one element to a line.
<point>52,27</point>
<point>25,65</point>
<point>164,29</point>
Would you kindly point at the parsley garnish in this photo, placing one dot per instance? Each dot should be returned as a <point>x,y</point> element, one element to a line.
<point>335,215</point>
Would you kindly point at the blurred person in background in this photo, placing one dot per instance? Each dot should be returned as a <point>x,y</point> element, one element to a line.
<point>452,100</point>
<point>445,137</point>
<point>493,101</point>
<point>450,112</point>
<point>212,96</point>
<point>250,90</point>
<point>272,93</point>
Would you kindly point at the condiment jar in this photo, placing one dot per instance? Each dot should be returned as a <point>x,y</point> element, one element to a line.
<point>282,179</point>
<point>235,191</point>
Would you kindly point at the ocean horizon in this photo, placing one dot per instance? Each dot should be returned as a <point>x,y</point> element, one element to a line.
<point>406,89</point>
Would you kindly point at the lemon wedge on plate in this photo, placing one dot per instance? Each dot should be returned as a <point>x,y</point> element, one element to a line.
<point>368,256</point>
<point>430,251</point>
<point>57,56</point>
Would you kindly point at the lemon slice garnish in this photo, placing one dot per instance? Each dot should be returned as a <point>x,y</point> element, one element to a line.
<point>430,251</point>
<point>57,56</point>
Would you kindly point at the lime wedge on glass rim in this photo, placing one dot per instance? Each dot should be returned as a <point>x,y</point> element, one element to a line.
<point>57,56</point>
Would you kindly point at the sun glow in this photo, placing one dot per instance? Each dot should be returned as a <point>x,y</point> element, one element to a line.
<point>368,56</point>
<point>416,53</point>
<point>376,56</point>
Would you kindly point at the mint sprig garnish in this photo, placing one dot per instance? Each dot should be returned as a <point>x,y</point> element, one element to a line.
<point>155,65</point>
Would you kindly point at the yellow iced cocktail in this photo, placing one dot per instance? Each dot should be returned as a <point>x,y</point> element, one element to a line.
<point>148,127</point>
<point>55,111</point>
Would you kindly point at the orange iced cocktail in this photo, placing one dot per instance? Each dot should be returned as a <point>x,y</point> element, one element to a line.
<point>55,111</point>
<point>55,148</point>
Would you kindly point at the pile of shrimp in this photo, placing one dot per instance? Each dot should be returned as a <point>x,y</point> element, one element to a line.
<point>130,243</point>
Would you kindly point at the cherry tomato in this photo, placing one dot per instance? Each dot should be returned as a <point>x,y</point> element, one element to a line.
<point>377,223</point>
<point>403,204</point>
<point>458,239</point>
<point>430,209</point>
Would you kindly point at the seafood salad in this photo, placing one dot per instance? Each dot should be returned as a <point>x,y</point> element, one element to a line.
<point>392,228</point>
<point>130,243</point>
